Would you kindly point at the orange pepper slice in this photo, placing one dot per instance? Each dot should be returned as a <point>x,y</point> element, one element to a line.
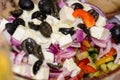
<point>87,17</point>
<point>111,53</point>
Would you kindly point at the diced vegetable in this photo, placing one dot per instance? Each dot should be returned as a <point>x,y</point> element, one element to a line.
<point>103,67</point>
<point>104,60</point>
<point>82,55</point>
<point>86,43</point>
<point>111,66</point>
<point>96,74</point>
<point>111,52</point>
<point>83,48</point>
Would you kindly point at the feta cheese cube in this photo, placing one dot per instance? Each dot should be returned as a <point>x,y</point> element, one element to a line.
<point>66,14</point>
<point>49,57</point>
<point>43,74</point>
<point>65,40</point>
<point>76,22</point>
<point>101,22</point>
<point>32,59</point>
<point>51,20</point>
<point>72,67</point>
<point>86,7</point>
<point>99,32</point>
<point>70,2</point>
<point>55,37</point>
<point>2,24</point>
<point>36,21</point>
<point>19,33</point>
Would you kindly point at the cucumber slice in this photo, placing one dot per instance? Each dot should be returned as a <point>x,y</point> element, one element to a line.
<point>112,66</point>
<point>103,67</point>
<point>82,55</point>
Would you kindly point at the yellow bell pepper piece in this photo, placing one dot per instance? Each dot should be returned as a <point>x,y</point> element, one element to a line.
<point>104,60</point>
<point>86,43</point>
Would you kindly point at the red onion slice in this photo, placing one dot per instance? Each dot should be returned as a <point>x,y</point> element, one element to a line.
<point>106,50</point>
<point>117,48</point>
<point>19,57</point>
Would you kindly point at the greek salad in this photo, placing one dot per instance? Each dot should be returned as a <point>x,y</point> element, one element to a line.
<point>61,40</point>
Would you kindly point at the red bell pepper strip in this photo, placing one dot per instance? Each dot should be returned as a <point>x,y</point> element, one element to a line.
<point>87,17</point>
<point>83,61</point>
<point>111,52</point>
<point>89,69</point>
<point>85,69</point>
<point>83,48</point>
<point>80,75</point>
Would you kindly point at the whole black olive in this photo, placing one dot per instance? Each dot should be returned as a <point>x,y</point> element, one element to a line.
<point>36,66</point>
<point>77,6</point>
<point>45,29</point>
<point>94,14</point>
<point>67,30</point>
<point>39,15</point>
<point>38,52</point>
<point>16,13</point>
<point>10,28</point>
<point>84,28</point>
<point>33,26</point>
<point>115,31</point>
<point>26,4</point>
<point>19,21</point>
<point>55,66</point>
<point>45,6</point>
<point>28,45</point>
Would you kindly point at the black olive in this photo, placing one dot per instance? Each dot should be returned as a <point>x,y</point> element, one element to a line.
<point>77,6</point>
<point>19,21</point>
<point>38,52</point>
<point>10,28</point>
<point>39,15</point>
<point>55,66</point>
<point>94,14</point>
<point>84,28</point>
<point>45,29</point>
<point>28,45</point>
<point>16,13</point>
<point>115,31</point>
<point>26,4</point>
<point>33,26</point>
<point>37,66</point>
<point>67,30</point>
<point>45,6</point>
<point>55,10</point>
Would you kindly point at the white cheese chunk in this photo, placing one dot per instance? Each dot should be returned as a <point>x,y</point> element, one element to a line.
<point>36,21</point>
<point>19,33</point>
<point>2,24</point>
<point>86,7</point>
<point>72,67</point>
<point>70,2</point>
<point>51,20</point>
<point>43,74</point>
<point>32,59</point>
<point>55,37</point>
<point>77,21</point>
<point>66,14</point>
<point>65,40</point>
<point>60,24</point>
<point>23,69</point>
<point>49,57</point>
<point>101,22</point>
<point>99,32</point>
